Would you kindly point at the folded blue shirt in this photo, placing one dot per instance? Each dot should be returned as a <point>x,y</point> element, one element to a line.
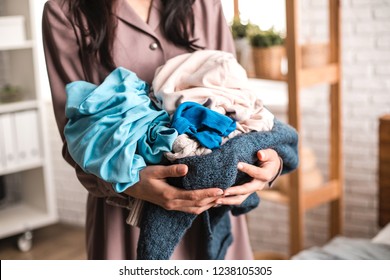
<point>202,123</point>
<point>114,130</point>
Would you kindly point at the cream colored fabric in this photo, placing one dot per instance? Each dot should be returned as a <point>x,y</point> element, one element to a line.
<point>214,79</point>
<point>184,146</point>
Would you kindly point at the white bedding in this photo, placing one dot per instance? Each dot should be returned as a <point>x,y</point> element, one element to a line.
<point>383,236</point>
<point>345,248</point>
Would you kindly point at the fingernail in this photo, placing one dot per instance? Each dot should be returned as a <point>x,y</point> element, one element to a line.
<point>181,168</point>
<point>240,165</point>
<point>220,192</point>
<point>261,154</point>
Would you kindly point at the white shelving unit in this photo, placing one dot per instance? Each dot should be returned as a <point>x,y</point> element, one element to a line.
<point>25,167</point>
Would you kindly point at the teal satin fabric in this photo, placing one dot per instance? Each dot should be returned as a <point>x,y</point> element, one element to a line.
<point>114,130</point>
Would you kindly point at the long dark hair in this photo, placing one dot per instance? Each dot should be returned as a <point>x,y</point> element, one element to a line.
<point>97,23</point>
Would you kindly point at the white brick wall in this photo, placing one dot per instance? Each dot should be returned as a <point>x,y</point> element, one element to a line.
<point>71,195</point>
<point>366,96</point>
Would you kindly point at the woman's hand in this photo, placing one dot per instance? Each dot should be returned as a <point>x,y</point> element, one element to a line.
<point>269,167</point>
<point>153,187</point>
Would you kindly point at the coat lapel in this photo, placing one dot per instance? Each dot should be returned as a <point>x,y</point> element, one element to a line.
<point>127,14</point>
<point>154,16</point>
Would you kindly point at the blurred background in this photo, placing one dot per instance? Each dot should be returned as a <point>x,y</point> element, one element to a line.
<point>39,190</point>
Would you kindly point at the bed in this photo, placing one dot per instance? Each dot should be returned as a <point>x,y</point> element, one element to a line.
<point>346,248</point>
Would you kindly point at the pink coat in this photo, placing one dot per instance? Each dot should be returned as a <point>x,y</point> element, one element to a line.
<point>141,48</point>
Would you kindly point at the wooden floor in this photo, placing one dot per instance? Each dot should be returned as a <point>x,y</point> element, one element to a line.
<point>56,242</point>
<point>65,242</point>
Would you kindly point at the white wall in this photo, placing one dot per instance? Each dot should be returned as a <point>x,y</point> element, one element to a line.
<point>71,195</point>
<point>264,13</point>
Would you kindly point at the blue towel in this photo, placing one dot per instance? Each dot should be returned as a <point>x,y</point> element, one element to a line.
<point>161,230</point>
<point>114,130</point>
<point>203,124</point>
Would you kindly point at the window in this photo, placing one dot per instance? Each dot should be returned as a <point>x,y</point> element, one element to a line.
<point>264,13</point>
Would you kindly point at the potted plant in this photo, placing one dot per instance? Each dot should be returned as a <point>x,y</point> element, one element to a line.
<point>9,93</point>
<point>268,52</point>
<point>239,29</point>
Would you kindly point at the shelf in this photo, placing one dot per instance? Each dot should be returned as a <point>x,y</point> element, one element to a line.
<point>22,217</point>
<point>313,76</point>
<point>327,74</point>
<point>18,106</point>
<point>21,46</point>
<point>327,192</point>
<point>24,150</point>
<point>273,196</point>
<point>330,191</point>
<point>273,94</point>
<point>21,167</point>
<point>278,79</point>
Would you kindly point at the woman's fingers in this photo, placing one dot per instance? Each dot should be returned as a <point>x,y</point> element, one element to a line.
<point>247,188</point>
<point>260,173</point>
<point>173,198</point>
<point>264,173</point>
<point>193,207</point>
<point>193,198</point>
<point>232,200</point>
<point>237,194</point>
<point>197,195</point>
<point>154,188</point>
<point>269,166</point>
<point>162,172</point>
<point>266,155</point>
<point>198,210</point>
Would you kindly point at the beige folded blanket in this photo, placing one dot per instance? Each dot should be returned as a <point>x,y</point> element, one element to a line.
<point>214,79</point>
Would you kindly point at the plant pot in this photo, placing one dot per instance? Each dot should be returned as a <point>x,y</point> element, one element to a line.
<point>314,55</point>
<point>240,46</point>
<point>244,55</point>
<point>268,62</point>
<point>10,94</point>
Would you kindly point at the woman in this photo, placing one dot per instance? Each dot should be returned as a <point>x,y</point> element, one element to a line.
<point>86,40</point>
